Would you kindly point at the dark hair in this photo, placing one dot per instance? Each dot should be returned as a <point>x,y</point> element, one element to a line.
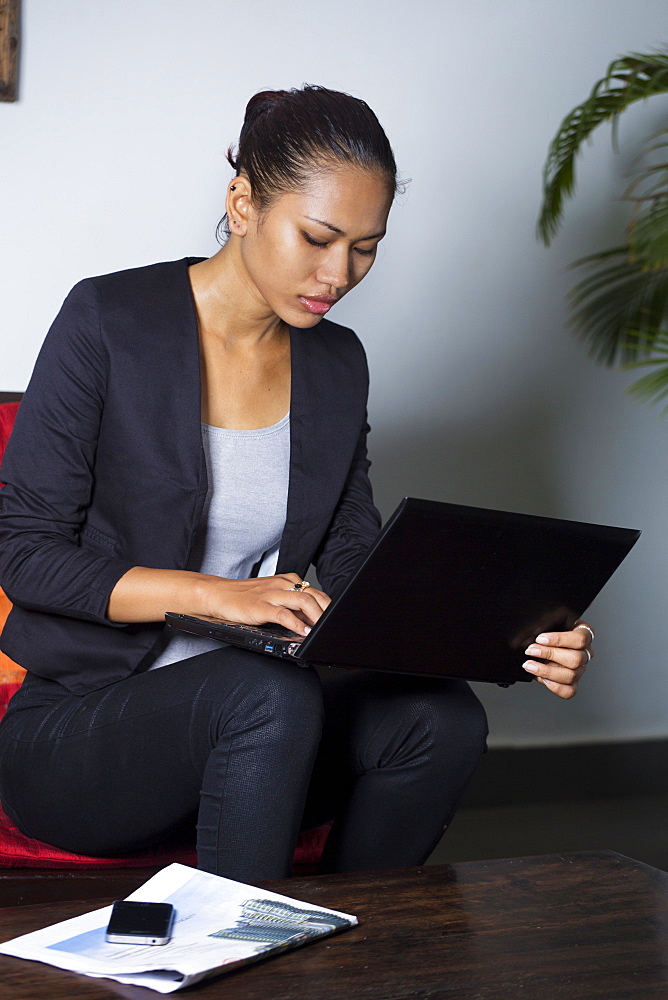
<point>288,133</point>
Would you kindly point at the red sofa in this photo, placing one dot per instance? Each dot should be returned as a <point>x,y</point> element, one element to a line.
<point>18,850</point>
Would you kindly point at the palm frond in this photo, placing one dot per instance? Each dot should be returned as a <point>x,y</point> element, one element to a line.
<point>648,236</point>
<point>658,342</point>
<point>620,308</point>
<point>615,310</point>
<point>628,79</point>
<point>652,388</point>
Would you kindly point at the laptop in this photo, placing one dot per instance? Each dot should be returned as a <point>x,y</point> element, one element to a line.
<point>448,591</point>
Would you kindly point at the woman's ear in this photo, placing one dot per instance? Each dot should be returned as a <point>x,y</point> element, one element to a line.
<point>239,205</point>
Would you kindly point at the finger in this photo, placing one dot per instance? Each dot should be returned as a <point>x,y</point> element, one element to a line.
<point>577,638</point>
<point>300,600</point>
<point>319,596</point>
<point>284,616</point>
<point>582,626</point>
<point>556,674</point>
<point>564,691</point>
<point>300,614</point>
<point>564,657</point>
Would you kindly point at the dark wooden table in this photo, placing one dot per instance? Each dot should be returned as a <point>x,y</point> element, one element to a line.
<point>571,926</point>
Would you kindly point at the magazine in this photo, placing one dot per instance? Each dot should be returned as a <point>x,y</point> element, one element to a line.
<point>219,926</point>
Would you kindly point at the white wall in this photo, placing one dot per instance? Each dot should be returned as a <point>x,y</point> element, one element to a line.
<point>114,157</point>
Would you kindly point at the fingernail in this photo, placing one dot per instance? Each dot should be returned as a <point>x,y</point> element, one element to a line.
<point>533,651</point>
<point>307,629</point>
<point>531,667</point>
<point>543,639</point>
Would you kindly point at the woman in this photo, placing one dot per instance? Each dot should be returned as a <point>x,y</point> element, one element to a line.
<point>193,437</point>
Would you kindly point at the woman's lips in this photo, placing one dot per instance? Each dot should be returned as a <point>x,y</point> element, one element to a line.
<point>318,304</point>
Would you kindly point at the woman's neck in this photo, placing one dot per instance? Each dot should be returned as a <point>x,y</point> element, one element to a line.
<point>229,307</point>
<point>244,346</point>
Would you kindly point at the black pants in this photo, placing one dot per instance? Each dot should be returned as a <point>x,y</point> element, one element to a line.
<point>252,747</point>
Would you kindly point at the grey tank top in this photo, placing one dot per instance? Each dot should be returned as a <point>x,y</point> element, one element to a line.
<point>243,517</point>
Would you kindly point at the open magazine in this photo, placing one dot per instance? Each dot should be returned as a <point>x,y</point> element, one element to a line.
<point>219,926</point>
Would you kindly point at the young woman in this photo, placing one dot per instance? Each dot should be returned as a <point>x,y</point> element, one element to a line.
<point>192,439</point>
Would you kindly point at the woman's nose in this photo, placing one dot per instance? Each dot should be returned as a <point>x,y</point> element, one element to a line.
<point>334,271</point>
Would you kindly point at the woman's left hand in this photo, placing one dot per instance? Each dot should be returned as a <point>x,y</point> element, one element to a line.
<point>567,655</point>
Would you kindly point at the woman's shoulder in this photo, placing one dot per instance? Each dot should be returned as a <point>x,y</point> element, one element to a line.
<point>145,297</point>
<point>126,308</point>
<point>141,280</point>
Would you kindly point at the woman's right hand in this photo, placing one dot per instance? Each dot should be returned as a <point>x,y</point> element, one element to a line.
<point>144,595</point>
<point>265,599</point>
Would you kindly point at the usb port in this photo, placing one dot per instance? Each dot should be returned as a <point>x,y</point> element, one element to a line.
<point>269,648</point>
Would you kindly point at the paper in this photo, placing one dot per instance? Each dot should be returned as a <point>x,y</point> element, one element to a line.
<point>219,925</point>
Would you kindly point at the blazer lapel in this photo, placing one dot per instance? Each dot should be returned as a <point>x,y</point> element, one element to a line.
<point>326,413</point>
<point>188,383</point>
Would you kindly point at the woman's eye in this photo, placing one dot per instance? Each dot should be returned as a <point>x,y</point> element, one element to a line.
<point>313,241</point>
<point>365,253</point>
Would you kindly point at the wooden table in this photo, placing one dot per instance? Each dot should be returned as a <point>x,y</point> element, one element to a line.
<point>571,926</point>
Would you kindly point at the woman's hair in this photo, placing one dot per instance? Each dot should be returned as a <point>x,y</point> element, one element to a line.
<point>288,134</point>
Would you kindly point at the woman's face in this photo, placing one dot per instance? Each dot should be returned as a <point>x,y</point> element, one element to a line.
<point>310,247</point>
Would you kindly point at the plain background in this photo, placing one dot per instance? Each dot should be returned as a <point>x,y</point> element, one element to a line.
<point>114,157</point>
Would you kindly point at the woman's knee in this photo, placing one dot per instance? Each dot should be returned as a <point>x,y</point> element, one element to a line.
<point>435,721</point>
<point>470,712</point>
<point>456,718</point>
<point>272,694</point>
<point>293,696</point>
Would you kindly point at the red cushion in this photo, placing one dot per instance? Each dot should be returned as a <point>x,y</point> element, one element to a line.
<point>7,416</point>
<point>6,692</point>
<point>19,851</point>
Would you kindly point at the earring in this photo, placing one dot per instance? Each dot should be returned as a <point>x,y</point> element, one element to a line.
<point>233,188</point>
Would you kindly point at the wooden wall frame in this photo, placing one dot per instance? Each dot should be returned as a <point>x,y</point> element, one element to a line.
<point>9,48</point>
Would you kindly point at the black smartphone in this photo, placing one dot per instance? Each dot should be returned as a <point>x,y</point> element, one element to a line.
<point>140,923</point>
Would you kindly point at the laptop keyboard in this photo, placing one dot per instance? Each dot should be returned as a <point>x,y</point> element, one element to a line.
<point>270,629</point>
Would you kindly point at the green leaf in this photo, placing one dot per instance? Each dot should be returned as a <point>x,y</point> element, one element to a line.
<point>620,308</point>
<point>652,388</point>
<point>649,236</point>
<point>629,79</point>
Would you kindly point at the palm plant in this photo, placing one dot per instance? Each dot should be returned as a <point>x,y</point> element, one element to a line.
<point>620,306</point>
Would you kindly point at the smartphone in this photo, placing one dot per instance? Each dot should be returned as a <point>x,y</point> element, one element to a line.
<point>140,923</point>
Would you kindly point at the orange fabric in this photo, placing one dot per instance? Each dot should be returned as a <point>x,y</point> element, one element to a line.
<point>10,672</point>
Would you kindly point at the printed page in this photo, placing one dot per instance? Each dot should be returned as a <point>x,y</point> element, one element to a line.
<point>219,923</point>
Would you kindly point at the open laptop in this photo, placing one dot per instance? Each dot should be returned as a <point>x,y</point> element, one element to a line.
<point>449,591</point>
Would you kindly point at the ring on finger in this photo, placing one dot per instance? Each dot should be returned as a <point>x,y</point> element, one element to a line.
<point>591,631</point>
<point>588,655</point>
<point>304,585</point>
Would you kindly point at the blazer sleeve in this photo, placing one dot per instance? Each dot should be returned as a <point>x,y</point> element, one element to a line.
<point>353,528</point>
<point>45,562</point>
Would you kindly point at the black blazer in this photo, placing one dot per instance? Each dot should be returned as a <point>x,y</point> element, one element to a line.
<point>105,469</point>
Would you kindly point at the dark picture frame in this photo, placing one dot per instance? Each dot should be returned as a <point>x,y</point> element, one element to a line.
<point>10,14</point>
